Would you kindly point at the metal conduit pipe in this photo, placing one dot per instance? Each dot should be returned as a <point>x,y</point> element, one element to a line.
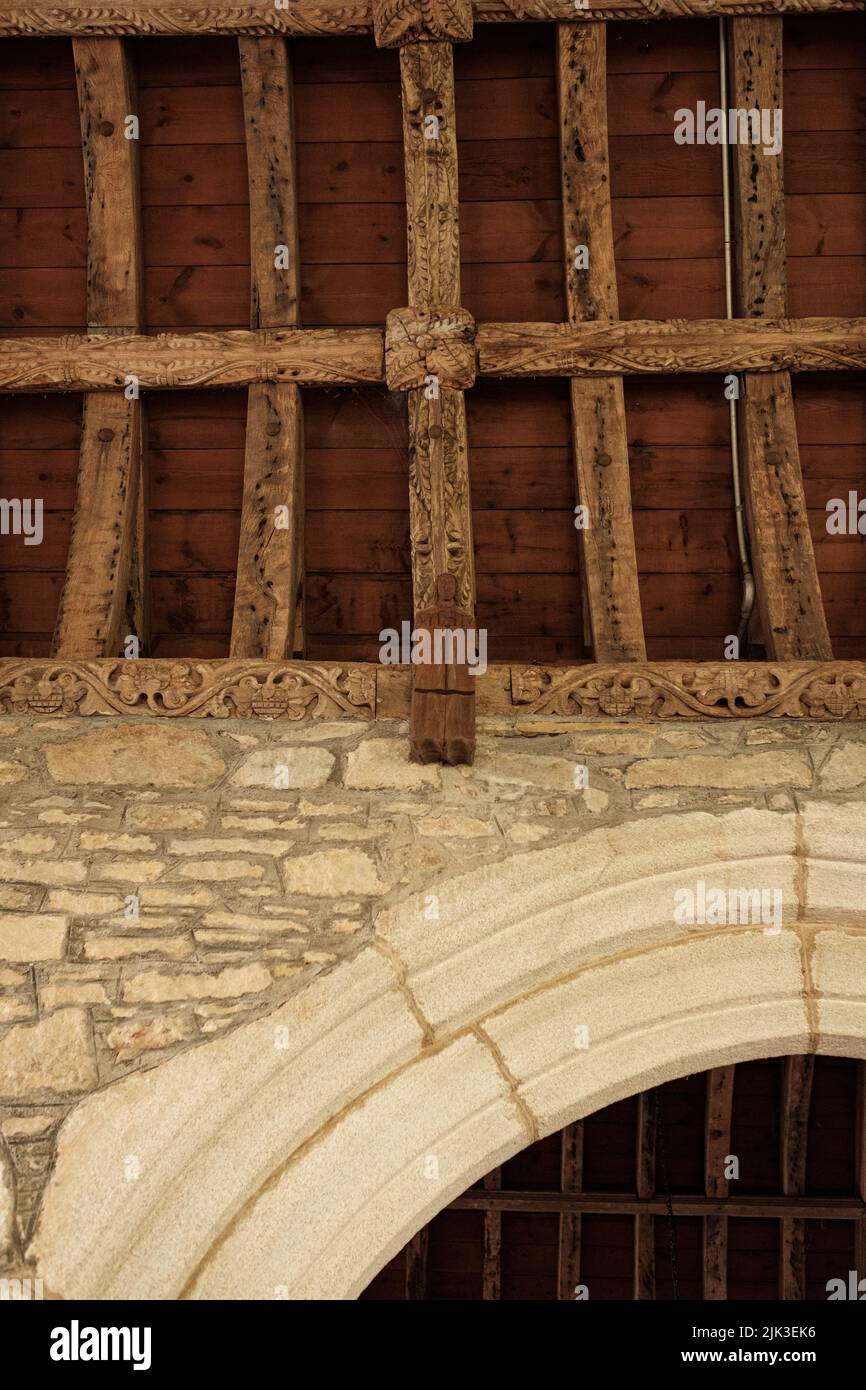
<point>747,601</point>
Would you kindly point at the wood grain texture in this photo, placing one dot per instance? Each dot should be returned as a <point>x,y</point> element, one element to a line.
<point>570,1227</point>
<point>266,81</point>
<point>417,1251</point>
<point>270,551</point>
<point>92,618</point>
<point>267,620</point>
<point>797,1077</point>
<point>671,346</point>
<point>645,1183</point>
<point>106,96</point>
<point>178,361</point>
<point>440,514</point>
<point>717,1146</point>
<point>353,16</point>
<point>491,1275</point>
<point>400,21</point>
<point>600,442</point>
<point>430,157</point>
<point>791,609</point>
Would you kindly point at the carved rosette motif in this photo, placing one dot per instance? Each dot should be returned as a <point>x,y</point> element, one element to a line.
<point>723,690</point>
<point>197,689</point>
<point>435,341</point>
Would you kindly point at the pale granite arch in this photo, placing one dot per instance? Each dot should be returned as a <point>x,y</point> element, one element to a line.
<point>297,1162</point>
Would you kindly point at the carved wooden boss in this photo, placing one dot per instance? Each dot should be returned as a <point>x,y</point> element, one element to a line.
<point>431,350</point>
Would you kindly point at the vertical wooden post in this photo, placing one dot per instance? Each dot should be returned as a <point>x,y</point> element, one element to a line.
<point>571,1171</point>
<point>644,1223</point>
<point>105,594</point>
<point>717,1145</point>
<point>796,1095</point>
<point>789,594</point>
<point>491,1282</point>
<point>600,441</point>
<point>443,570</point>
<point>268,607</point>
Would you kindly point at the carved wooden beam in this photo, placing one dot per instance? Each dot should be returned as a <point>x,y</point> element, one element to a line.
<point>440,515</point>
<point>666,347</point>
<point>600,442</point>
<point>396,22</point>
<point>178,361</point>
<point>278,689</point>
<point>270,552</point>
<point>570,1225</point>
<point>789,593</point>
<point>717,1145</point>
<point>105,594</point>
<point>171,17</point>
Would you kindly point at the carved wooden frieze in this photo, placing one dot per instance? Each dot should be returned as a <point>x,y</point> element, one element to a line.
<point>401,21</point>
<point>429,347</point>
<point>198,689</point>
<point>705,690</point>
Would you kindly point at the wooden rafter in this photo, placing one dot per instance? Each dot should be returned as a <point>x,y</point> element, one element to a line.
<point>323,17</point>
<point>105,591</point>
<point>789,593</point>
<point>570,1232</point>
<point>600,443</point>
<point>270,551</point>
<point>417,1252</point>
<point>645,1181</point>
<point>717,1147</point>
<point>796,1095</point>
<point>620,1204</point>
<point>443,570</point>
<point>491,1275</point>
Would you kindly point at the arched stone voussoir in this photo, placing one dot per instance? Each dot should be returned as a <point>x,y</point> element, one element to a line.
<point>502,929</point>
<point>721,995</point>
<point>150,1170</point>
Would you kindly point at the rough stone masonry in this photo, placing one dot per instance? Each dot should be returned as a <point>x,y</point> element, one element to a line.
<point>161,882</point>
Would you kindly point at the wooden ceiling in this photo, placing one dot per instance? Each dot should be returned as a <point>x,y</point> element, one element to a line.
<point>657,255</point>
<point>632,1201</point>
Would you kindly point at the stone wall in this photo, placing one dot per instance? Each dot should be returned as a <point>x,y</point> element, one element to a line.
<point>161,882</point>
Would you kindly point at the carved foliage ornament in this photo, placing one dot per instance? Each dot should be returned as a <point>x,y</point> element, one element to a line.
<point>200,689</point>
<point>400,21</point>
<point>424,343</point>
<point>723,690</point>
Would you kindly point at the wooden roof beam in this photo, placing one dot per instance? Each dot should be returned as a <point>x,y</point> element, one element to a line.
<point>440,515</point>
<point>270,552</point>
<point>599,438</point>
<point>797,1078</point>
<point>791,609</point>
<point>570,1222</point>
<point>717,1146</point>
<point>105,593</point>
<point>323,17</point>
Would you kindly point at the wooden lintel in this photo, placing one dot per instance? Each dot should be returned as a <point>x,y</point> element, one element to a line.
<point>91,620</point>
<point>324,17</point>
<point>270,550</point>
<point>570,1225</point>
<point>717,1147</point>
<point>599,438</point>
<point>793,622</point>
<point>666,347</point>
<point>797,1077</point>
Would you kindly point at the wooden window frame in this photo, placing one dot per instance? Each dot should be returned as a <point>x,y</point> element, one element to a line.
<point>265,675</point>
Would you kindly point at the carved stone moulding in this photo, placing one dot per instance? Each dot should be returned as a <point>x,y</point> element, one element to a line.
<point>197,689</point>
<point>397,22</point>
<point>698,690</point>
<point>434,341</point>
